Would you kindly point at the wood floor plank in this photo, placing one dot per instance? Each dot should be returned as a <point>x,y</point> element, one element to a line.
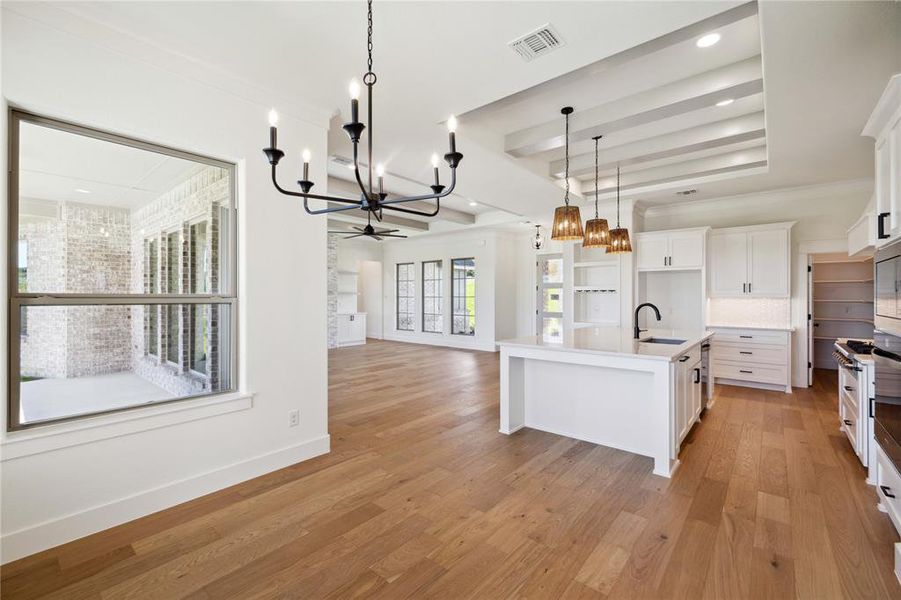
<point>421,497</point>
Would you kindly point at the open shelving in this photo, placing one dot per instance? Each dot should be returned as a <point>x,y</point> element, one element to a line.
<point>595,289</point>
<point>842,305</point>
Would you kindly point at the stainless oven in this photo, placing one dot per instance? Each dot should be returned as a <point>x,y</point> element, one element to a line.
<point>887,405</point>
<point>887,273</point>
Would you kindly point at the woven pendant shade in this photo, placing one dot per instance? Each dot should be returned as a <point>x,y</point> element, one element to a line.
<point>597,234</point>
<point>567,224</point>
<point>619,241</point>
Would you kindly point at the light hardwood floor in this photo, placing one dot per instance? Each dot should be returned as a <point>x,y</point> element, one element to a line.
<point>421,497</point>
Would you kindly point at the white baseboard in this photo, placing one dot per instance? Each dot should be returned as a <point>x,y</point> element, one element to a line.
<point>24,542</point>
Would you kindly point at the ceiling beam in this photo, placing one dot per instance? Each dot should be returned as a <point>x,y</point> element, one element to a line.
<point>720,133</point>
<point>733,81</point>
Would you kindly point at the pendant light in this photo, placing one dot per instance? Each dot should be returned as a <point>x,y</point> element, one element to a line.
<point>619,237</point>
<point>597,233</point>
<point>567,219</point>
<point>538,242</point>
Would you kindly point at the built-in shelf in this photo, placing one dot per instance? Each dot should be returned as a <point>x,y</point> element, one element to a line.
<point>340,272</point>
<point>843,301</point>
<point>595,323</point>
<point>591,288</point>
<point>849,319</point>
<point>594,263</point>
<point>817,338</point>
<point>843,281</point>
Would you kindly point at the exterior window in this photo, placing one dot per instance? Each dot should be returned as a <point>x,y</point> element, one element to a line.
<point>432,296</point>
<point>125,277</point>
<point>173,311</point>
<point>406,285</point>
<point>463,291</point>
<point>151,314</point>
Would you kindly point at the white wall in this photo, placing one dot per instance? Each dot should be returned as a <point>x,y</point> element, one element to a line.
<point>822,213</point>
<point>64,481</point>
<point>490,250</point>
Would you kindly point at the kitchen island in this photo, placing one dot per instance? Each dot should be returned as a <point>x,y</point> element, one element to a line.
<point>603,386</point>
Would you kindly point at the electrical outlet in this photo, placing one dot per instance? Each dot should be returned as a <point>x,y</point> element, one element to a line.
<point>293,418</point>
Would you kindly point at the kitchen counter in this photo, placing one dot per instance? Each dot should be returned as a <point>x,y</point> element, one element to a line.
<point>616,341</point>
<point>600,385</point>
<point>756,327</point>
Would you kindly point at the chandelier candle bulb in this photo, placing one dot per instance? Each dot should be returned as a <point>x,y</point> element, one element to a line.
<point>354,101</point>
<point>380,171</point>
<point>435,168</point>
<point>306,164</point>
<point>273,133</point>
<point>452,129</point>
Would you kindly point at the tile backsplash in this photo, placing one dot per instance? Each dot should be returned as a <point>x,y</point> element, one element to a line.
<point>749,312</point>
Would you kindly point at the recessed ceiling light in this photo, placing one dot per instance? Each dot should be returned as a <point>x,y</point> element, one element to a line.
<point>705,41</point>
<point>82,191</point>
<point>473,203</point>
<point>725,102</point>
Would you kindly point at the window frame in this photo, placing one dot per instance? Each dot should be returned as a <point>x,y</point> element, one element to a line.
<point>17,300</point>
<point>453,294</point>
<point>397,295</point>
<point>439,263</point>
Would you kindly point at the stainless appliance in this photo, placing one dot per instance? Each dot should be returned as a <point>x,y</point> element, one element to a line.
<point>887,352</point>
<point>706,378</point>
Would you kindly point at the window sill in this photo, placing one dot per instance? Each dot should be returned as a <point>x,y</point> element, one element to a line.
<point>18,444</point>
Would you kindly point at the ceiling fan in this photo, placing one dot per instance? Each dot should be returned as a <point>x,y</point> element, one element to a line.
<point>370,231</point>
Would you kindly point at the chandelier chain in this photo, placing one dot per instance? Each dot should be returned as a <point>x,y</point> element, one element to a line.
<point>566,169</point>
<point>596,216</point>
<point>369,36</point>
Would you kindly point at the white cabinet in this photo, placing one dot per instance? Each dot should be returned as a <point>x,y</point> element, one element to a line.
<point>750,261</point>
<point>351,329</point>
<point>680,249</point>
<point>884,126</point>
<point>752,357</point>
<point>688,401</point>
<point>862,235</point>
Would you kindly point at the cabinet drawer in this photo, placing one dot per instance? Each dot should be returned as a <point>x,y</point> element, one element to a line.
<point>751,336</point>
<point>888,484</point>
<point>753,353</point>
<point>748,372</point>
<point>848,416</point>
<point>691,357</point>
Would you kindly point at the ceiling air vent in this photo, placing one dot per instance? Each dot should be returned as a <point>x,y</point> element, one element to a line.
<point>537,43</point>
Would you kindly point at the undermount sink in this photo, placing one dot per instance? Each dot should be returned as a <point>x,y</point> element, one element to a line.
<point>656,340</point>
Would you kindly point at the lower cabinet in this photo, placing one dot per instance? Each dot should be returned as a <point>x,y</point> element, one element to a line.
<point>752,356</point>
<point>689,392</point>
<point>351,329</point>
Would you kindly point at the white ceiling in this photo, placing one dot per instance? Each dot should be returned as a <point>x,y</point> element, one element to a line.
<point>65,167</point>
<point>823,65</point>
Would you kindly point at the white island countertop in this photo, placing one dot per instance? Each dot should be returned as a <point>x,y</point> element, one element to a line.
<point>616,341</point>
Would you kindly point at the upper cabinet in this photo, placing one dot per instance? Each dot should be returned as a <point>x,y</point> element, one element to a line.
<point>679,249</point>
<point>750,261</point>
<point>884,127</point>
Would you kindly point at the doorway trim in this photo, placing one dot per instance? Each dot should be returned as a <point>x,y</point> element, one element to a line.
<point>801,303</point>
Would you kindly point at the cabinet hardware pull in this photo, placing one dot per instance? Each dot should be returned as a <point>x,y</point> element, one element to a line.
<point>746,337</point>
<point>749,287</point>
<point>881,225</point>
<point>744,352</point>
<point>848,388</point>
<point>744,371</point>
<point>872,407</point>
<point>847,422</point>
<point>697,375</point>
<point>744,288</point>
<point>886,491</point>
<point>684,358</point>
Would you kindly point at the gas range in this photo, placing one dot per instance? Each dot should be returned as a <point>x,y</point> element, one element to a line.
<point>849,348</point>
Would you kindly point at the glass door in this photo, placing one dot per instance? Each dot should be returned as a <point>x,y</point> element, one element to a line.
<point>550,296</point>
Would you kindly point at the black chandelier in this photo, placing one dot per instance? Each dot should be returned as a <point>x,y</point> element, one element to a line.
<point>372,200</point>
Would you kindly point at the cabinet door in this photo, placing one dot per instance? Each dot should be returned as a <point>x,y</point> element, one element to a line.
<point>728,263</point>
<point>652,251</point>
<point>686,250</point>
<point>696,389</point>
<point>680,401</point>
<point>358,328</point>
<point>883,190</point>
<point>894,178</point>
<point>887,288</point>
<point>768,263</point>
<point>343,328</point>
